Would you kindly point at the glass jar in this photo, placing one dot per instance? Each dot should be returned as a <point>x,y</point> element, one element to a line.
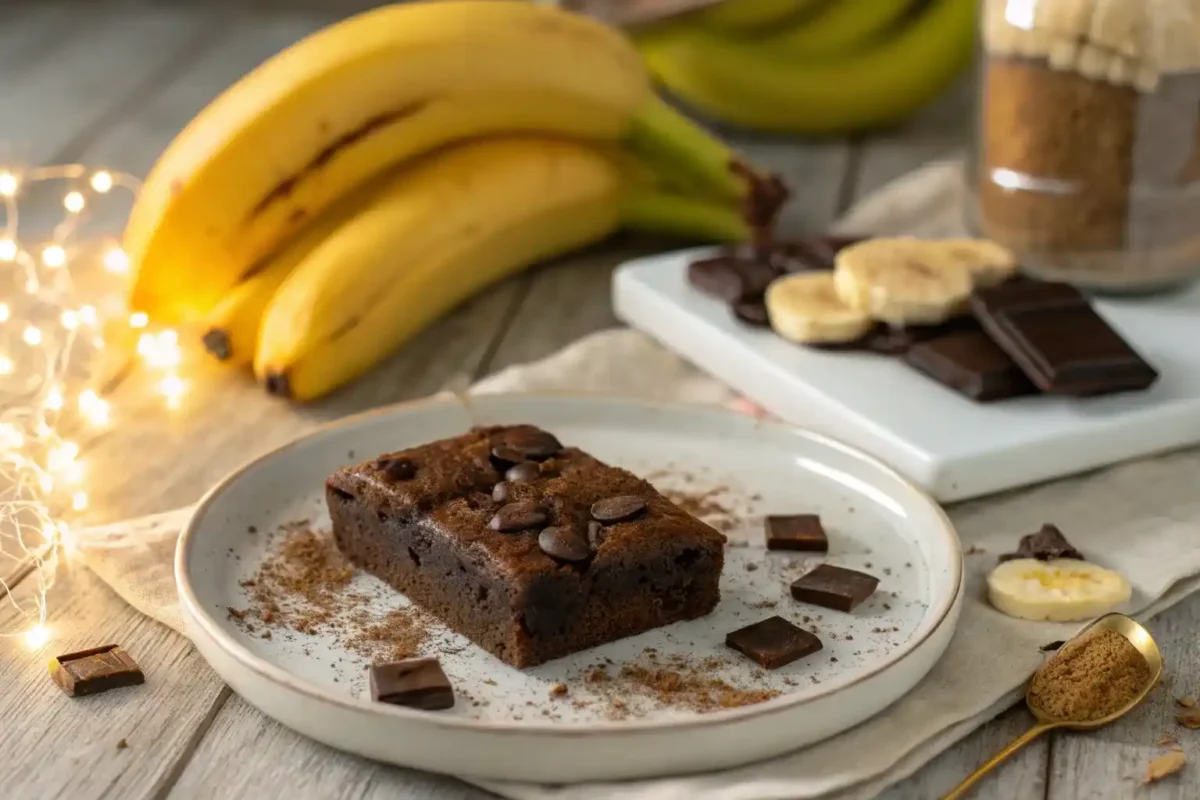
<point>1087,155</point>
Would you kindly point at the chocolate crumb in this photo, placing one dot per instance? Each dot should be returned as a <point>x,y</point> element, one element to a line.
<point>1050,647</point>
<point>252,529</point>
<point>973,551</point>
<point>122,745</point>
<point>751,567</point>
<point>558,690</point>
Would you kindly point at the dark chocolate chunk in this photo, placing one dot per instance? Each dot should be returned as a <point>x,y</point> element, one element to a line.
<point>1050,647</point>
<point>1044,545</point>
<point>415,683</point>
<point>96,670</point>
<point>596,534</point>
<point>834,587</point>
<point>518,517</point>
<point>752,312</point>
<point>796,532</point>
<point>504,457</point>
<point>971,364</point>
<point>1058,340</point>
<point>525,472</point>
<point>564,543</point>
<point>773,642</point>
<point>500,492</point>
<point>810,253</point>
<point>618,509</point>
<point>730,278</point>
<point>397,469</point>
<point>532,443</point>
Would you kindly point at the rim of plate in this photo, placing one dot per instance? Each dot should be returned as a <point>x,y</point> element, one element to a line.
<point>250,661</point>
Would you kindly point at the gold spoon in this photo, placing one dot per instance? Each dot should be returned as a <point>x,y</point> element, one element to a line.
<point>1138,636</point>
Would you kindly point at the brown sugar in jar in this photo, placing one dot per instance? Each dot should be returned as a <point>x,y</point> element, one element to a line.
<point>1087,160</point>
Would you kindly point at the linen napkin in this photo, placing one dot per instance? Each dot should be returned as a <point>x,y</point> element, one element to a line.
<point>1140,518</point>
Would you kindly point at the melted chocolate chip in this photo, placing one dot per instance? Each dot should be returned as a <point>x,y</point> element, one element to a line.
<point>504,457</point>
<point>618,509</point>
<point>500,492</point>
<point>596,534</point>
<point>563,543</point>
<point>532,443</point>
<point>525,472</point>
<point>518,517</point>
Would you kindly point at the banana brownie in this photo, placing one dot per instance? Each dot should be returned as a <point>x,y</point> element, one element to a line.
<point>530,549</point>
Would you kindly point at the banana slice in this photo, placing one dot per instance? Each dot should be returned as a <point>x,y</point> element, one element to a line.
<point>1062,590</point>
<point>989,263</point>
<point>805,308</point>
<point>902,281</point>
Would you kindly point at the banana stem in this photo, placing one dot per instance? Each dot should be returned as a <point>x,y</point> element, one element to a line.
<point>660,134</point>
<point>649,209</point>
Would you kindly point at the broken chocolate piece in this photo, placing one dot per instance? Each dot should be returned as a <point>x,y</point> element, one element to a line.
<point>834,587</point>
<point>415,683</point>
<point>773,642</point>
<point>971,364</point>
<point>796,532</point>
<point>731,279</point>
<point>1045,545</point>
<point>1052,332</point>
<point>1050,647</point>
<point>752,312</point>
<point>96,670</point>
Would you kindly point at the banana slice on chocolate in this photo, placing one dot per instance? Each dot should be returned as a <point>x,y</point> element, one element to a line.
<point>1061,590</point>
<point>805,308</point>
<point>902,281</point>
<point>989,263</point>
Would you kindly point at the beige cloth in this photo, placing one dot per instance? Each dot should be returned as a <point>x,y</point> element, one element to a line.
<point>1140,518</point>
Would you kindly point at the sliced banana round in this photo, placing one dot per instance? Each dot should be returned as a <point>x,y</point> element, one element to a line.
<point>989,263</point>
<point>805,308</point>
<point>1062,590</point>
<point>902,281</point>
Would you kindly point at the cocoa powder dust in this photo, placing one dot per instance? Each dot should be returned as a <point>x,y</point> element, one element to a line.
<point>1090,678</point>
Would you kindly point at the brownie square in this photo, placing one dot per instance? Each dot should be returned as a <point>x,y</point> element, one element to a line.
<point>530,549</point>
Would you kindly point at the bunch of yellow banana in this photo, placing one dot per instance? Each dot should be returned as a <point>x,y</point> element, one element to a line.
<point>812,66</point>
<point>367,179</point>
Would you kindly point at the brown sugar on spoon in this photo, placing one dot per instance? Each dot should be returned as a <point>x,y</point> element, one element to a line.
<point>1090,678</point>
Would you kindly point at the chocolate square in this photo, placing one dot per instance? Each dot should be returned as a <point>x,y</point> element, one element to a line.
<point>773,642</point>
<point>971,364</point>
<point>415,683</point>
<point>796,532</point>
<point>96,670</point>
<point>833,587</point>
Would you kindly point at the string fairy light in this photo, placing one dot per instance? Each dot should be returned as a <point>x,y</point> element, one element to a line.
<point>52,338</point>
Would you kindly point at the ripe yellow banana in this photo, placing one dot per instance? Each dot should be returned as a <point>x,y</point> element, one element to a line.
<point>308,126</point>
<point>664,211</point>
<point>741,16</point>
<point>444,228</point>
<point>836,29</point>
<point>735,81</point>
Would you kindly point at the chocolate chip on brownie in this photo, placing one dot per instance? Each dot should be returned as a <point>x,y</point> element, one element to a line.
<point>518,517</point>
<point>564,543</point>
<point>505,457</point>
<point>596,534</point>
<point>618,509</point>
<point>500,492</point>
<point>525,472</point>
<point>532,443</point>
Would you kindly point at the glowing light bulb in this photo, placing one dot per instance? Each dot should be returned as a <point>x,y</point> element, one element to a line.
<point>168,338</point>
<point>69,319</point>
<point>32,336</point>
<point>79,501</point>
<point>93,407</point>
<point>102,181</point>
<point>62,456</point>
<point>172,388</point>
<point>6,365</point>
<point>8,250</point>
<point>4,312</point>
<point>8,184</point>
<point>54,399</point>
<point>138,319</point>
<point>54,256</point>
<point>37,637</point>
<point>73,202</point>
<point>115,260</point>
<point>87,315</point>
<point>10,437</point>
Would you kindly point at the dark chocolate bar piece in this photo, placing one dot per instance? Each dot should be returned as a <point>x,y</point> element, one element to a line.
<point>796,532</point>
<point>415,683</point>
<point>773,642</point>
<point>1052,332</point>
<point>971,364</point>
<point>752,312</point>
<point>810,253</point>
<point>834,587</point>
<point>1044,545</point>
<point>97,670</point>
<point>731,278</point>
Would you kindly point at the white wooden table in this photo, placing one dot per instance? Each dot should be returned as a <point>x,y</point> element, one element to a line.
<point>111,83</point>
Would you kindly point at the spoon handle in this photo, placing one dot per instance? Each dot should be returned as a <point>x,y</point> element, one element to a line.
<point>996,760</point>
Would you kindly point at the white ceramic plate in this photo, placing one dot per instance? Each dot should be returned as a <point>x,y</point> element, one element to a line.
<point>514,729</point>
<point>950,445</point>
